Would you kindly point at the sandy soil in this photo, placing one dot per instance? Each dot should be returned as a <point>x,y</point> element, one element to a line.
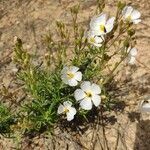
<point>125,128</point>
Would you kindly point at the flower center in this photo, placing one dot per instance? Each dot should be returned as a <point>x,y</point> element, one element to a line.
<point>88,94</point>
<point>70,75</point>
<point>129,18</point>
<point>92,40</point>
<point>102,28</point>
<point>66,110</point>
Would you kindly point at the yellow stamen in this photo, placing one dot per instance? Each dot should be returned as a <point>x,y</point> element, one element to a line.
<point>129,18</point>
<point>66,110</point>
<point>92,40</point>
<point>102,28</point>
<point>88,94</point>
<point>70,75</point>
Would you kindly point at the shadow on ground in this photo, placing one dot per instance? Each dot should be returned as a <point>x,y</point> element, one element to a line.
<point>142,141</point>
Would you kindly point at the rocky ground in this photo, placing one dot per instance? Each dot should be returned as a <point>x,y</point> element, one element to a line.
<point>125,128</point>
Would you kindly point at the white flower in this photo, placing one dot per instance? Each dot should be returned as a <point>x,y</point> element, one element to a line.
<point>67,109</point>
<point>71,75</point>
<point>131,15</point>
<point>145,106</point>
<point>101,25</point>
<point>88,95</point>
<point>94,39</point>
<point>131,56</point>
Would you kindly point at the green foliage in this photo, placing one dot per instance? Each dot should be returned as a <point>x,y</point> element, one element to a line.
<point>45,91</point>
<point>6,120</point>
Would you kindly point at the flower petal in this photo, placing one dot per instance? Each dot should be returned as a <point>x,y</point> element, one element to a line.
<point>60,109</point>
<point>79,94</point>
<point>73,69</point>
<point>64,70</point>
<point>127,11</point>
<point>71,113</point>
<point>97,44</point>
<point>67,104</point>
<point>86,104</point>
<point>124,10</point>
<point>72,110</point>
<point>136,21</point>
<point>96,100</point>
<point>94,39</point>
<point>78,76</point>
<point>72,82</point>
<point>133,52</point>
<point>101,18</point>
<point>96,22</point>
<point>110,24</point>
<point>135,15</point>
<point>64,78</point>
<point>95,88</point>
<point>145,107</point>
<point>86,85</point>
<point>132,60</point>
<point>99,39</point>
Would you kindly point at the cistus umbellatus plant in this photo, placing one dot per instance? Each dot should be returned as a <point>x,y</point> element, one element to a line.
<point>76,69</point>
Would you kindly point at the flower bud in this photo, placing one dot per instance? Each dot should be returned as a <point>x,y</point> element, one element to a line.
<point>101,81</point>
<point>126,43</point>
<point>103,97</point>
<point>121,5</point>
<point>131,32</point>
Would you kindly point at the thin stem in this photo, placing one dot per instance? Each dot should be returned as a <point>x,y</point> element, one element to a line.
<point>142,64</point>
<point>111,73</point>
<point>121,33</point>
